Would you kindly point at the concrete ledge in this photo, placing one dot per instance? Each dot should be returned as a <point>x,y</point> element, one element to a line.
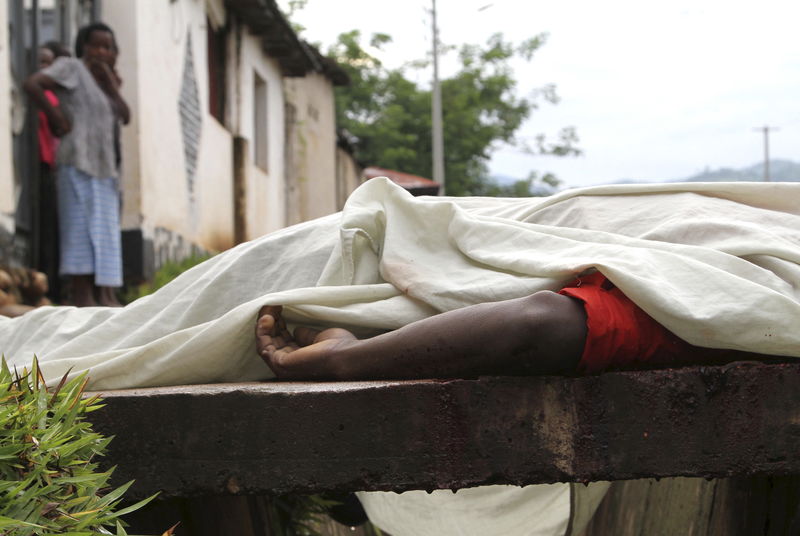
<point>738,420</point>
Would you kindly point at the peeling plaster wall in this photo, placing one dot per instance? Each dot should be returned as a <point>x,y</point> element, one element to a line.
<point>153,38</point>
<point>197,207</point>
<point>156,39</point>
<point>264,205</point>
<point>214,223</point>
<point>163,191</point>
<point>126,33</point>
<point>348,176</point>
<point>311,176</point>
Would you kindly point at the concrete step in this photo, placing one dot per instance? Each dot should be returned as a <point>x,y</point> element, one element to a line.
<point>280,437</point>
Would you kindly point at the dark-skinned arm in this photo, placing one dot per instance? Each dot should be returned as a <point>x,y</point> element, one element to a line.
<point>540,334</point>
<point>109,83</point>
<point>35,86</point>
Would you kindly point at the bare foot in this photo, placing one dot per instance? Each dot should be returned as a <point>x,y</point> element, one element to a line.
<point>309,354</point>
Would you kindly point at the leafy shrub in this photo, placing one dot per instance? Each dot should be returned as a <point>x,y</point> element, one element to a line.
<point>49,482</point>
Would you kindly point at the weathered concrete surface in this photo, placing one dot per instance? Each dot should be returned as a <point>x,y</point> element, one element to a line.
<point>737,420</point>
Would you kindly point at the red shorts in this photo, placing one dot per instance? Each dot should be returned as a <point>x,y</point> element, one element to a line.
<point>621,335</point>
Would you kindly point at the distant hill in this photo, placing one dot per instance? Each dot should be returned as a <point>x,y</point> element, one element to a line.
<point>779,171</point>
<point>504,180</point>
<point>509,186</point>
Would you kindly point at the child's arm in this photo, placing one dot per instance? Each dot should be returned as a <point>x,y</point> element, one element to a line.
<point>35,86</point>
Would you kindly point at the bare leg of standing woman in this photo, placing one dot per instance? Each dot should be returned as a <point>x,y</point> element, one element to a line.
<point>81,289</point>
<point>108,297</point>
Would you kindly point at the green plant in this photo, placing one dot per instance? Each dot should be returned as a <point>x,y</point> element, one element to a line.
<point>296,515</point>
<point>49,481</point>
<point>305,515</point>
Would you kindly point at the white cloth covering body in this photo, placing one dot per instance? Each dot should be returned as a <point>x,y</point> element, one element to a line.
<point>717,264</point>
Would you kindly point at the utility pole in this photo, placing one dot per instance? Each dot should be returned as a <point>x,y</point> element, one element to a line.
<point>765,129</point>
<point>436,120</point>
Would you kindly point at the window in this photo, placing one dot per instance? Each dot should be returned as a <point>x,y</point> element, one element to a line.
<point>216,71</point>
<point>260,133</point>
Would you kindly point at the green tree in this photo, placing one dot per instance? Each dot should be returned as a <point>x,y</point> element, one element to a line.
<point>391,116</point>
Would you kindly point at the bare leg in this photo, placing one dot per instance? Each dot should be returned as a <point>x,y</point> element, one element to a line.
<point>14,309</point>
<point>540,334</point>
<point>81,290</point>
<point>107,297</point>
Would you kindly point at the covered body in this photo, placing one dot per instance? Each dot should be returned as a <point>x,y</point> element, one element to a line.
<point>717,264</point>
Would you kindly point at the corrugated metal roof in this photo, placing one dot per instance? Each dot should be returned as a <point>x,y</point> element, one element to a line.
<point>413,183</point>
<point>296,57</point>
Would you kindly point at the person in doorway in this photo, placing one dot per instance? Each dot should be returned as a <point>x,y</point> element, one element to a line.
<point>48,200</point>
<point>89,105</point>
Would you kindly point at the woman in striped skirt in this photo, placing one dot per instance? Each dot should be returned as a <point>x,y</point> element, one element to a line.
<point>88,190</point>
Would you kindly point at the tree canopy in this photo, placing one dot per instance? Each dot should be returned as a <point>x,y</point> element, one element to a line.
<point>390,115</point>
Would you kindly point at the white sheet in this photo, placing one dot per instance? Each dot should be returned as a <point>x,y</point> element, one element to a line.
<point>718,264</point>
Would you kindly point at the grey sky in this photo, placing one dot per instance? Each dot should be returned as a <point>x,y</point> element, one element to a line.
<point>656,90</point>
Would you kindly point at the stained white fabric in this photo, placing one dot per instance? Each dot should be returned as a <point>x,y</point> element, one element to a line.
<point>506,510</point>
<point>717,264</point>
<point>542,510</point>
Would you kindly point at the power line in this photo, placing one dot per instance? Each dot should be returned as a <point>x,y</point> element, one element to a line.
<point>438,142</point>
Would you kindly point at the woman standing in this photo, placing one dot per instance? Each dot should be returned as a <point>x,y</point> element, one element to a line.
<point>88,193</point>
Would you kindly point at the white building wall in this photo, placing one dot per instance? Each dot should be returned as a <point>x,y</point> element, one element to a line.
<point>348,176</point>
<point>7,200</point>
<point>312,180</point>
<point>158,195</point>
<point>158,200</point>
<point>265,194</point>
<point>123,18</point>
<point>153,40</point>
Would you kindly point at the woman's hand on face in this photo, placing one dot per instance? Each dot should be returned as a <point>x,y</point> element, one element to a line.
<point>103,75</point>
